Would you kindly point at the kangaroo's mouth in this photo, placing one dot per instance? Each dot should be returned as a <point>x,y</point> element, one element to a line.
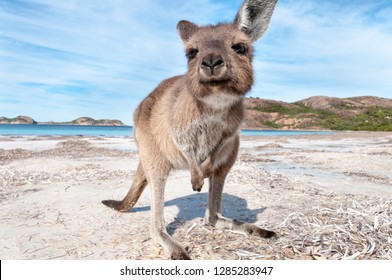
<point>214,81</point>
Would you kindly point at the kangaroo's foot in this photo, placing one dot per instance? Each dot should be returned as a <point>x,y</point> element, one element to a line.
<point>179,254</point>
<point>247,228</point>
<point>173,248</point>
<point>252,229</point>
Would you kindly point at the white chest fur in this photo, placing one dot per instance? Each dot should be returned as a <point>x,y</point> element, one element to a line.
<point>220,100</point>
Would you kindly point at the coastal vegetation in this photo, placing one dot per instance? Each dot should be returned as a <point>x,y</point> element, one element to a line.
<point>321,113</point>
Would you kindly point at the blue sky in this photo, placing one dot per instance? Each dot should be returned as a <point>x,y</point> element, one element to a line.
<point>60,60</point>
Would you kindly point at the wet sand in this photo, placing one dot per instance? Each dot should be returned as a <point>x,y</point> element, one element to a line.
<point>327,197</point>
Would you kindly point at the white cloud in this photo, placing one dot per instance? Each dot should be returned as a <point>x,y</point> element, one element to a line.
<point>324,49</point>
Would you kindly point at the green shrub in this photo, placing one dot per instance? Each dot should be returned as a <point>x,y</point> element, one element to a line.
<point>374,119</point>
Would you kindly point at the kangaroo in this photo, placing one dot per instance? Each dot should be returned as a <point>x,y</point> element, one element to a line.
<point>193,121</point>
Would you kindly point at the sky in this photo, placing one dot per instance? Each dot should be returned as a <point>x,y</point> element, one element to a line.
<point>60,60</point>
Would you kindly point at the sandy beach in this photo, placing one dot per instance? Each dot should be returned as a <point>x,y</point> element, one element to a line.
<point>326,196</point>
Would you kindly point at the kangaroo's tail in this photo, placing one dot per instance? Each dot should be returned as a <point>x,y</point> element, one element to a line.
<point>139,183</point>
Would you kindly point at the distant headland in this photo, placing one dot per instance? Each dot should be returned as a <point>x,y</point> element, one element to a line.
<point>368,113</point>
<point>78,121</point>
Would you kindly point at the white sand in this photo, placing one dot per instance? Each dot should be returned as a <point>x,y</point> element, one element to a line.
<point>51,192</point>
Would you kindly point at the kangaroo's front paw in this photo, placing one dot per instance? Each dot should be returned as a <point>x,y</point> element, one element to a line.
<point>197,183</point>
<point>206,168</point>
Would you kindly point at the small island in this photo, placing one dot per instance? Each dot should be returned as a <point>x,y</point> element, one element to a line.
<point>78,121</point>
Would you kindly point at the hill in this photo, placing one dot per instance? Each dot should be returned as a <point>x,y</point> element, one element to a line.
<point>17,120</point>
<point>90,121</point>
<point>79,121</point>
<point>320,113</point>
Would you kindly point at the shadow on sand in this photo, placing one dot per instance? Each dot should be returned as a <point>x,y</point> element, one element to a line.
<point>194,205</point>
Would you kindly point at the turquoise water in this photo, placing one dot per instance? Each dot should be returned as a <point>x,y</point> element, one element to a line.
<point>40,129</point>
<point>85,130</point>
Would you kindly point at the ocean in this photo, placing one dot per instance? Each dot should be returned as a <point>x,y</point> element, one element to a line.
<point>72,130</point>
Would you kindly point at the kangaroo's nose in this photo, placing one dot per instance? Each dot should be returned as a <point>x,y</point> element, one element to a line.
<point>211,62</point>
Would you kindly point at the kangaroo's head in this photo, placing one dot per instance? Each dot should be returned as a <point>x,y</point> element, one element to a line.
<point>220,56</point>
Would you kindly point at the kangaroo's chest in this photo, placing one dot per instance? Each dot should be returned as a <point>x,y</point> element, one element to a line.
<point>208,132</point>
<point>204,130</point>
<point>204,134</point>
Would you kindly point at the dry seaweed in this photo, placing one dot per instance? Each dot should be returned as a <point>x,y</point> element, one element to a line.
<point>357,229</point>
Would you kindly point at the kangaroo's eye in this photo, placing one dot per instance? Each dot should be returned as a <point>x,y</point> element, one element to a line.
<point>191,53</point>
<point>240,48</point>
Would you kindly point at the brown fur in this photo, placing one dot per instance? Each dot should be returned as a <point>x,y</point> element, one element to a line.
<point>192,121</point>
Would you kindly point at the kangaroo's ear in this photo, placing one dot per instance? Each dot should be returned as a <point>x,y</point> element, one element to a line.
<point>254,16</point>
<point>186,29</point>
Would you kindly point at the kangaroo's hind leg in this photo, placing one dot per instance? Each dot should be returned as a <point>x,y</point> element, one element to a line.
<point>217,180</point>
<point>139,183</point>
<point>157,170</point>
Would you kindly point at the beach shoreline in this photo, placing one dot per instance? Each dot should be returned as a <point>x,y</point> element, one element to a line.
<point>332,191</point>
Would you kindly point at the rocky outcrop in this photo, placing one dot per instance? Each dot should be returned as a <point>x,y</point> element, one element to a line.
<point>17,120</point>
<point>90,121</point>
